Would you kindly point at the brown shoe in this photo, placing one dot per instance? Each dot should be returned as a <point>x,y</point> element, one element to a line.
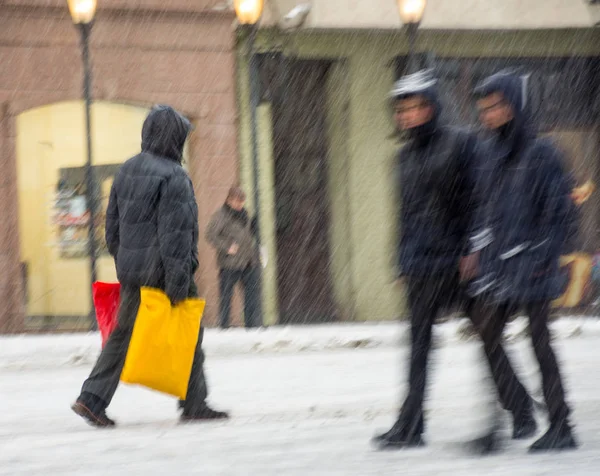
<point>99,420</point>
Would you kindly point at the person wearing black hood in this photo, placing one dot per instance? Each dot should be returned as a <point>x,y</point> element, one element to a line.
<point>435,180</point>
<point>152,234</point>
<point>517,240</point>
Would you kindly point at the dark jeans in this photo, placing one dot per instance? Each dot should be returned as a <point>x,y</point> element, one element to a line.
<point>427,298</point>
<point>102,383</point>
<point>490,322</point>
<point>250,278</point>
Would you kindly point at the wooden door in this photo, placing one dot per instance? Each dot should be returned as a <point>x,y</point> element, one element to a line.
<point>302,203</point>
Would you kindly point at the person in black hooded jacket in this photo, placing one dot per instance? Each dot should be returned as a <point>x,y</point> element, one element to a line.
<point>435,178</point>
<point>517,239</point>
<point>152,234</point>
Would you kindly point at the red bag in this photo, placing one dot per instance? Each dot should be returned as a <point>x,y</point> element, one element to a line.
<point>106,302</point>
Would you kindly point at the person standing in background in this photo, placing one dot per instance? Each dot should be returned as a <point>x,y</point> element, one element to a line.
<point>232,233</point>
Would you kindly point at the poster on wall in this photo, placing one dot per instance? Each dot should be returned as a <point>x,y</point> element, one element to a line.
<point>71,213</point>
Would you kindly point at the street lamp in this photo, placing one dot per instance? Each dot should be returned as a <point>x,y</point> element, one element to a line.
<point>411,14</point>
<point>248,13</point>
<point>82,13</point>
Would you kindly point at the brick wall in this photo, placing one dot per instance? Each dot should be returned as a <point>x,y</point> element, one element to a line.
<point>183,56</point>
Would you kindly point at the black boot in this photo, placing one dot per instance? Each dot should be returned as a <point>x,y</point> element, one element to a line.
<point>490,441</point>
<point>383,436</point>
<point>558,437</point>
<point>205,413</point>
<point>524,424</point>
<point>401,435</point>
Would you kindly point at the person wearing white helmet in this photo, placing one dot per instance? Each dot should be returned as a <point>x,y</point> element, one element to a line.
<point>435,177</point>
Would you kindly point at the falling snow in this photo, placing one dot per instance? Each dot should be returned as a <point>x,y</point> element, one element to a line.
<point>298,114</point>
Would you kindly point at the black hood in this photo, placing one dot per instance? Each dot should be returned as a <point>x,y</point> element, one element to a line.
<point>512,89</point>
<point>513,134</point>
<point>164,132</point>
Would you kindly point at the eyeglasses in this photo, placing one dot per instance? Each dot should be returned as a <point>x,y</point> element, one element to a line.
<point>493,107</point>
<point>414,107</point>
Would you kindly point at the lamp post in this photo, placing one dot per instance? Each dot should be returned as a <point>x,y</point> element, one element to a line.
<point>248,13</point>
<point>411,14</point>
<point>82,13</point>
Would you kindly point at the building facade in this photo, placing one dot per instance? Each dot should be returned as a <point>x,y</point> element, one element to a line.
<point>326,141</point>
<point>327,144</point>
<point>179,52</point>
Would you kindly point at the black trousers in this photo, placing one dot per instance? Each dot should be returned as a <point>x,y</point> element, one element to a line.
<point>427,298</point>
<point>490,321</point>
<point>103,381</point>
<point>250,279</point>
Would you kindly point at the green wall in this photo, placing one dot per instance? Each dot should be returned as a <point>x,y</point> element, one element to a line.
<point>361,147</point>
<point>340,190</point>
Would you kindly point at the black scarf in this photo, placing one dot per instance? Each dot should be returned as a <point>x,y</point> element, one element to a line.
<point>238,215</point>
<point>422,135</point>
<point>512,136</point>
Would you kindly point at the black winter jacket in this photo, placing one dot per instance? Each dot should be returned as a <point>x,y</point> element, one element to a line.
<point>436,183</point>
<point>528,210</point>
<point>152,215</point>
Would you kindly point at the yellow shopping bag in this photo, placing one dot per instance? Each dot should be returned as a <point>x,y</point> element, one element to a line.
<point>163,343</point>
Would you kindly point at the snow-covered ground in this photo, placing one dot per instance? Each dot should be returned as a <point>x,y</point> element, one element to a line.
<point>294,413</point>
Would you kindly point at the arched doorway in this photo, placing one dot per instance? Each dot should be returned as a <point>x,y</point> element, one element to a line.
<point>51,155</point>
